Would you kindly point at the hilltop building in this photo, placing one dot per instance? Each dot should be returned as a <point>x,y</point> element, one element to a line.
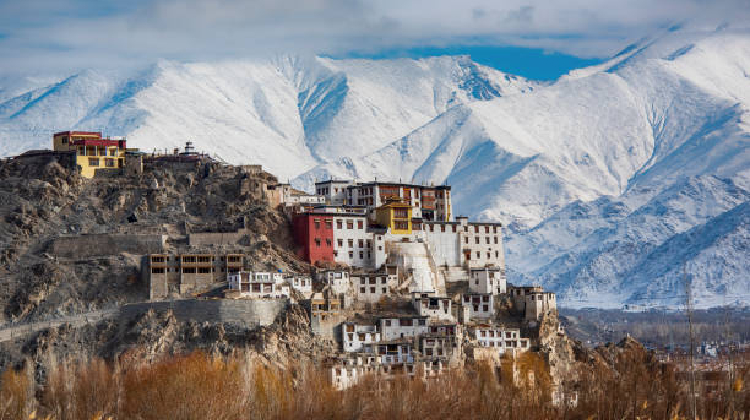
<point>430,203</point>
<point>92,152</point>
<point>258,285</point>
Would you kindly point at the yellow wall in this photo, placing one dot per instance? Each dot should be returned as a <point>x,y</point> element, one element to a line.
<point>113,154</point>
<point>386,216</point>
<point>88,170</point>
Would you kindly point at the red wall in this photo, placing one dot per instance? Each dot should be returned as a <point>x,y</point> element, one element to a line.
<point>306,232</point>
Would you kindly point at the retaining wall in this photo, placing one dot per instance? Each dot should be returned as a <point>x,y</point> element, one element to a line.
<point>250,312</point>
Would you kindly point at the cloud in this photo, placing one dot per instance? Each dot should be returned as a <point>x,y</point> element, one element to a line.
<point>40,35</point>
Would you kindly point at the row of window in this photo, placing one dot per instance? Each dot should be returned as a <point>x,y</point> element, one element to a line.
<point>92,151</point>
<point>372,280</point>
<point>161,270</point>
<point>405,322</point>
<point>479,255</point>
<point>499,334</point>
<point>340,224</point>
<point>512,343</point>
<point>193,258</point>
<point>108,163</point>
<point>360,242</point>
<point>373,290</point>
<point>454,228</point>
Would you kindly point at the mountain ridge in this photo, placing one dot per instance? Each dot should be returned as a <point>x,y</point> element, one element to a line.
<point>555,162</point>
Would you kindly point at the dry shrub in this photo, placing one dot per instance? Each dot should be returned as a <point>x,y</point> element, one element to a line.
<point>14,394</point>
<point>80,391</point>
<point>196,386</point>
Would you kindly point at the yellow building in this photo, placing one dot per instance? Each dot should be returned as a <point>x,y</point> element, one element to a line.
<point>92,151</point>
<point>396,216</point>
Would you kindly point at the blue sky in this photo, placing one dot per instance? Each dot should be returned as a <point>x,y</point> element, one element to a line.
<point>539,39</point>
<point>529,62</point>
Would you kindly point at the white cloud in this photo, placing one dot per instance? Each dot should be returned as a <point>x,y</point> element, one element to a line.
<point>65,34</point>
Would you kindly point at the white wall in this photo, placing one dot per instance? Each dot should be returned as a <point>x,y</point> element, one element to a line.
<point>397,330</point>
<point>361,256</point>
<point>485,308</point>
<point>354,337</point>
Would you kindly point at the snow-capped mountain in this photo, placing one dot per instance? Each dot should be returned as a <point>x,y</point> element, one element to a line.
<point>617,183</point>
<point>288,113</point>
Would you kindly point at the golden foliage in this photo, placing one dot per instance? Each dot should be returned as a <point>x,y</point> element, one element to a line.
<point>201,386</point>
<point>14,396</point>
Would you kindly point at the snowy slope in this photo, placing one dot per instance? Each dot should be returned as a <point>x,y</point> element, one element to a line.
<point>288,113</point>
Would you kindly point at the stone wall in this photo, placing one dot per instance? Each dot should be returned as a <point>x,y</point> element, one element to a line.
<point>251,312</point>
<point>328,328</point>
<point>91,245</point>
<point>215,238</point>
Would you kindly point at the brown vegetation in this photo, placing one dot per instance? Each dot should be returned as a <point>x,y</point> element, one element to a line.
<point>620,383</point>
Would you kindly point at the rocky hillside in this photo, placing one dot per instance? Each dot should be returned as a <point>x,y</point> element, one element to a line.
<point>42,202</point>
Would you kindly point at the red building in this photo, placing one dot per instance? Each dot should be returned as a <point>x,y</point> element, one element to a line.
<point>313,234</point>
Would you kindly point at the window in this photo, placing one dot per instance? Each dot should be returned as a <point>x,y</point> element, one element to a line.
<point>372,290</point>
<point>486,229</point>
<point>432,228</point>
<point>109,163</point>
<point>487,240</point>
<point>157,269</point>
<point>360,224</point>
<point>317,242</point>
<point>495,240</point>
<point>384,290</point>
<point>387,322</point>
<point>476,240</point>
<point>328,242</point>
<point>478,255</point>
<point>361,255</point>
<point>351,255</point>
<point>317,223</point>
<point>340,242</point>
<point>454,228</point>
<point>476,229</point>
<point>361,289</point>
<point>329,224</point>
<point>497,254</point>
<point>349,224</point>
<point>494,229</point>
<point>339,224</point>
<point>351,243</point>
<point>466,239</point>
<point>361,243</point>
<point>93,162</point>
<point>421,322</point>
<point>442,228</point>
